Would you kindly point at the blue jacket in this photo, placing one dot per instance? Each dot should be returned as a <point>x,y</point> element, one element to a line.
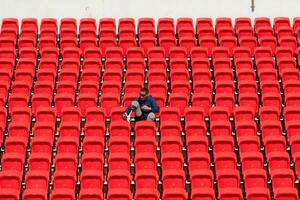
<point>149,101</point>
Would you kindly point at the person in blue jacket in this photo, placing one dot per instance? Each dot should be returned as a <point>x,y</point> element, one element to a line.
<point>144,107</point>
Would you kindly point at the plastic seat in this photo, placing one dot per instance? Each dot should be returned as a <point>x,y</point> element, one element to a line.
<point>222,144</point>
<point>65,161</point>
<point>228,42</point>
<point>278,160</point>
<point>243,113</point>
<point>90,193</point>
<point>198,161</point>
<point>145,147</point>
<point>127,42</point>
<point>114,63</point>
<point>201,179</point>
<point>147,42</point>
<point>71,63</point>
<point>112,75</point>
<point>245,31</point>
<point>271,128</point>
<point>202,100</point>
<point>170,128</point>
<point>21,87</point>
<point>281,22</point>
<point>249,100</point>
<point>196,142</point>
<point>90,75</point>
<point>265,31</point>
<point>228,178</point>
<point>118,193</point>
<point>111,87</point>
<point>204,193</point>
<point>166,32</point>
<point>286,193</point>
<point>41,144</point>
<point>157,75</point>
<point>201,75</point>
<point>268,41</point>
<point>12,162</point>
<point>248,143</point>
<point>8,53</point>
<point>252,160</point>
<point>225,100</point>
<point>118,179</point>
<point>208,42</point>
<point>107,42</point>
<point>146,193</point>
<point>126,32</point>
<point>284,51</point>
<point>249,42</point>
<point>261,193</point>
<point>109,100</point>
<point>158,87</point>
<point>157,63</point>
<point>172,193</point>
<point>10,180</point>
<point>222,63</point>
<point>119,145</point>
<point>292,99</point>
<point>274,144</point>
<point>172,161</point>
<point>92,161</point>
<point>135,52</point>
<point>232,193</point>
<point>118,161</point>
<point>289,74</point>
<point>91,179</point>
<point>225,161</point>
<point>34,193</point>
<point>135,63</point>
<point>17,100</point>
<point>169,114</point>
<point>289,41</point>
<point>173,179</point>
<point>199,52</point>
<point>180,86</point>
<point>24,75</point>
<point>188,42</point>
<point>246,127</point>
<point>223,74</point>
<point>267,74</point>
<point>48,63</point>
<point>156,52</point>
<point>200,63</point>
<point>57,194</point>
<point>66,42</point>
<point>133,87</point>
<point>290,86</point>
<point>46,114</point>
<point>286,63</point>
<point>241,52</point>
<point>282,178</point>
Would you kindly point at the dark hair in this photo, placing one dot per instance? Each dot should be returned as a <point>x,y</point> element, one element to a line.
<point>145,90</point>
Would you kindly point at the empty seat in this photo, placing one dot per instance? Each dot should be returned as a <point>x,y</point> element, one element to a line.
<point>286,193</point>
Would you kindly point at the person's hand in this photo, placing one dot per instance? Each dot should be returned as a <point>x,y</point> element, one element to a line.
<point>146,108</point>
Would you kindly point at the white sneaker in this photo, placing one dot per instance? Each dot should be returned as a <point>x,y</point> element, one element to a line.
<point>128,116</point>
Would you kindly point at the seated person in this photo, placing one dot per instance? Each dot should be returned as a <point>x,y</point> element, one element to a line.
<point>144,107</point>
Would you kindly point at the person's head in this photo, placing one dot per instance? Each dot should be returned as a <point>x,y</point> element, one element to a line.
<point>143,93</point>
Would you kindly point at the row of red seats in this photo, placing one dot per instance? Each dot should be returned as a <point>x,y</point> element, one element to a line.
<point>145,25</point>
